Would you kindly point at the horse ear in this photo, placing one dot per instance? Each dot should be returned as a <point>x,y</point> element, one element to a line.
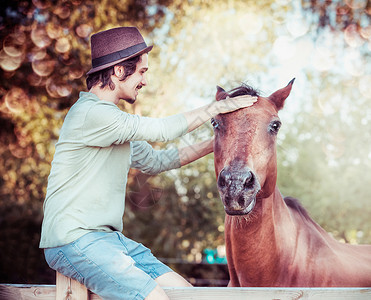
<point>279,96</point>
<point>220,93</point>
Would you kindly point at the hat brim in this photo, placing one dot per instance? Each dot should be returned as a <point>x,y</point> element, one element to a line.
<point>105,66</point>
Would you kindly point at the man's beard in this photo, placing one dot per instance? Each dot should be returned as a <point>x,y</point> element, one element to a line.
<point>132,101</point>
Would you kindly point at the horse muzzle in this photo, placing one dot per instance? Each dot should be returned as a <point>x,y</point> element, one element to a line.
<point>238,188</point>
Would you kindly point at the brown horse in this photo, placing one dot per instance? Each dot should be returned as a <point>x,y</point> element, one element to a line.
<point>272,241</point>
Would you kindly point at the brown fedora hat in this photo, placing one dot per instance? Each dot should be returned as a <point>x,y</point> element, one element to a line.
<point>115,45</point>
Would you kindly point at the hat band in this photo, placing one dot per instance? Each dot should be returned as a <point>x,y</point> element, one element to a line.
<point>99,61</point>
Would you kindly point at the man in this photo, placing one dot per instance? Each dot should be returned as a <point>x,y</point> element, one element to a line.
<point>98,144</point>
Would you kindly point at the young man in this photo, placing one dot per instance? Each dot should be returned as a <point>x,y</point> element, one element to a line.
<point>98,144</point>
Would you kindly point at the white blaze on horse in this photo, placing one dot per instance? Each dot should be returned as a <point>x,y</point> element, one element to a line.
<point>272,241</point>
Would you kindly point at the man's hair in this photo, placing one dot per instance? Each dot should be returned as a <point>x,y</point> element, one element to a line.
<point>103,77</point>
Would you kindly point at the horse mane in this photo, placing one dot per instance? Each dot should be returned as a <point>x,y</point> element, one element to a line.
<point>297,206</point>
<point>244,89</point>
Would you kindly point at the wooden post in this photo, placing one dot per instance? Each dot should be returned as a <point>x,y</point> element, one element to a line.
<point>69,289</point>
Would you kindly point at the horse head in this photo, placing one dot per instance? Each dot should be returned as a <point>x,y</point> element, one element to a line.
<point>245,149</point>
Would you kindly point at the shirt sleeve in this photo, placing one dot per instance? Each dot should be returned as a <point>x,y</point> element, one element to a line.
<point>151,161</point>
<point>105,124</point>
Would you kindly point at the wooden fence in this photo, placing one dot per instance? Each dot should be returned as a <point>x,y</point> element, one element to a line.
<point>67,289</point>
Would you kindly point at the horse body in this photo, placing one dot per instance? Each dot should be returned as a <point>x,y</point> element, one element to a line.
<point>271,241</point>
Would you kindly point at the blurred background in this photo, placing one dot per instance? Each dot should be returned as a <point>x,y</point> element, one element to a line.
<point>324,147</point>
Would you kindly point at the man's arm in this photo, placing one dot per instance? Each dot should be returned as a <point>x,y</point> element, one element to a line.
<point>191,153</point>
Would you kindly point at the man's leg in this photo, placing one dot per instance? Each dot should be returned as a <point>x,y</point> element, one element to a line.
<point>172,279</point>
<point>99,261</point>
<point>157,294</point>
<point>162,274</point>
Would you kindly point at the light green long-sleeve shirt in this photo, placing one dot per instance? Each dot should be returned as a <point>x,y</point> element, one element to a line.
<point>98,144</point>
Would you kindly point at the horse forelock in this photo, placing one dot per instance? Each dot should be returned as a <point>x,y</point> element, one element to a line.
<point>243,89</point>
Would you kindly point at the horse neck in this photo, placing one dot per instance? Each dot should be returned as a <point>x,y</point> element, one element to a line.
<point>265,234</point>
<point>270,218</point>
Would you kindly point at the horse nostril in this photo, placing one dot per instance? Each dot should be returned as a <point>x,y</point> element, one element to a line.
<point>249,181</point>
<point>221,182</point>
<point>241,201</point>
<point>223,178</point>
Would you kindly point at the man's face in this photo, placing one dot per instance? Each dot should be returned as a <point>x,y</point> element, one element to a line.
<point>131,85</point>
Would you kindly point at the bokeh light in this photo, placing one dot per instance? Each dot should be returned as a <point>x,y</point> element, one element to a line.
<point>328,102</point>
<point>364,86</point>
<point>19,151</point>
<point>16,100</point>
<point>250,23</point>
<point>62,45</point>
<point>62,11</point>
<point>53,30</point>
<point>297,26</point>
<point>366,32</point>
<point>324,58</point>
<point>41,4</point>
<point>43,67</point>
<point>9,63</point>
<point>356,4</point>
<point>35,80</point>
<point>283,48</point>
<point>14,44</point>
<point>40,37</point>
<point>76,72</point>
<point>354,62</point>
<point>352,36</point>
<point>57,88</point>
<point>84,30</point>
<point>36,53</point>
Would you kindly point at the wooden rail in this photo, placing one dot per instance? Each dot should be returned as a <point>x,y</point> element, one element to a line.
<point>67,289</point>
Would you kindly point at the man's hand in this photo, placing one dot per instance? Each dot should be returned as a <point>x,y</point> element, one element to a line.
<point>231,104</point>
<point>197,117</point>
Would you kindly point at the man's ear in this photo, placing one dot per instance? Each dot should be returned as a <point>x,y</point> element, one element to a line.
<point>118,71</point>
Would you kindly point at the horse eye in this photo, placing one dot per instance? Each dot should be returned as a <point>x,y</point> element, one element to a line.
<point>214,123</point>
<point>274,127</point>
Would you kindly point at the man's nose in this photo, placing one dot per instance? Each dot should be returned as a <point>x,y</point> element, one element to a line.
<point>144,81</point>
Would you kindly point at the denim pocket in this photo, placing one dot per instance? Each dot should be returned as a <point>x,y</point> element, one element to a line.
<point>61,264</point>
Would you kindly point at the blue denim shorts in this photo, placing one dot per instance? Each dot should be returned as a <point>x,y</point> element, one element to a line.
<point>109,264</point>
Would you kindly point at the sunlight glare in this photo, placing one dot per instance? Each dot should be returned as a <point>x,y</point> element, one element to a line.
<point>354,62</point>
<point>297,26</point>
<point>283,48</point>
<point>364,86</point>
<point>323,59</point>
<point>250,23</point>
